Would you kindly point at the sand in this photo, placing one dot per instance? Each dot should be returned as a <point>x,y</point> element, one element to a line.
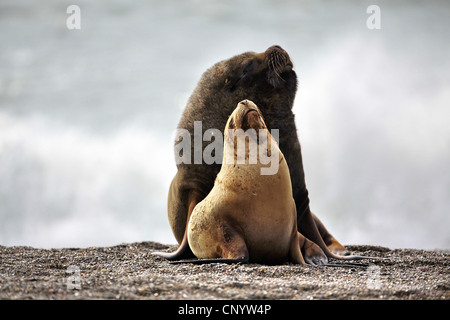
<point>130,271</point>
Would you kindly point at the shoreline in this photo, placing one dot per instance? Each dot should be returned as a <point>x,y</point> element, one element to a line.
<point>130,271</point>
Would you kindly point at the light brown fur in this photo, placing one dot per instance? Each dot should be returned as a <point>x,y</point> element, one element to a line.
<point>247,216</point>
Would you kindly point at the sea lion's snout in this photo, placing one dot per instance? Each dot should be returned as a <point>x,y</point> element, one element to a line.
<point>278,62</point>
<point>253,120</point>
<point>247,115</point>
<point>277,57</point>
<point>247,104</point>
<point>275,47</point>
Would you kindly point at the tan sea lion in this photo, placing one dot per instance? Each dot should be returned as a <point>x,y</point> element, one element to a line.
<point>269,80</point>
<point>250,214</point>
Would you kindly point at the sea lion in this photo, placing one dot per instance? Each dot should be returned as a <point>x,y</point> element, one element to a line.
<point>269,80</point>
<point>247,216</point>
<point>250,214</point>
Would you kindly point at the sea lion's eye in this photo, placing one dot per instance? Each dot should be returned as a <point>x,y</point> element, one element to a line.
<point>245,68</point>
<point>248,67</point>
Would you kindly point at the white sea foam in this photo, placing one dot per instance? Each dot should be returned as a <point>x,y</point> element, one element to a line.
<point>65,187</point>
<point>82,112</point>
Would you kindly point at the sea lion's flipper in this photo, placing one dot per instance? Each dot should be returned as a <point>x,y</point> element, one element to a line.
<point>347,265</point>
<point>183,252</point>
<point>355,257</point>
<point>217,260</point>
<point>233,250</point>
<point>232,244</point>
<point>333,245</point>
<point>312,233</point>
<point>311,251</point>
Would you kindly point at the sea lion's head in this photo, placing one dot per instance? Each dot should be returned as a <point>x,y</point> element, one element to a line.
<point>247,139</point>
<point>246,116</point>
<point>271,68</point>
<point>267,78</point>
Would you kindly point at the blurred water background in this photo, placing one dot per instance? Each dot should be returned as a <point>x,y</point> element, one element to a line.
<point>87,116</point>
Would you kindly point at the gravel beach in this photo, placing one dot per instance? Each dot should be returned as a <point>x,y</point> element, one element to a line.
<point>130,271</point>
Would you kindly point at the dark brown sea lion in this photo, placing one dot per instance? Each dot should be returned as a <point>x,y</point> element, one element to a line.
<point>269,80</point>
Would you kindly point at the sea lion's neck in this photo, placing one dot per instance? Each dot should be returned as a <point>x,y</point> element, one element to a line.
<point>251,162</point>
<point>257,152</point>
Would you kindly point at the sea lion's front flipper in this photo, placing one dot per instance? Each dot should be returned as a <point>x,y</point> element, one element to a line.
<point>232,249</point>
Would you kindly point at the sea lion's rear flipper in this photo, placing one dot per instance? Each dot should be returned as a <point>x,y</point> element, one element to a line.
<point>218,260</point>
<point>313,234</point>
<point>333,245</point>
<point>183,251</point>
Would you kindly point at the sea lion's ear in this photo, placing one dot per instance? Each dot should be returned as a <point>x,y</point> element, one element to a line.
<point>232,83</point>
